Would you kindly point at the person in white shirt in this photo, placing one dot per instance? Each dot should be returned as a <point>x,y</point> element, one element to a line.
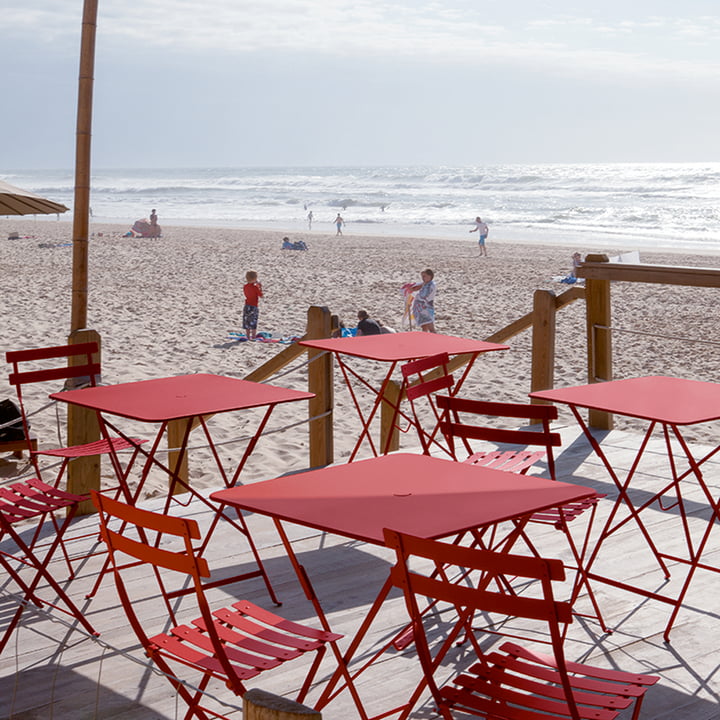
<point>482,230</point>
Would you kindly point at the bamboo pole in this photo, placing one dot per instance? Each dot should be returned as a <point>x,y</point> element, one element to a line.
<point>81,209</point>
<point>83,473</point>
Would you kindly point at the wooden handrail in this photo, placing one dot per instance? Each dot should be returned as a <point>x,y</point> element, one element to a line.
<point>657,274</point>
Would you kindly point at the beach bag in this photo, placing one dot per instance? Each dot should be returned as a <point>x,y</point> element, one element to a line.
<point>10,430</point>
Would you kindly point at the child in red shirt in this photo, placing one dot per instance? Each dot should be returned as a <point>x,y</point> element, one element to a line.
<point>253,293</point>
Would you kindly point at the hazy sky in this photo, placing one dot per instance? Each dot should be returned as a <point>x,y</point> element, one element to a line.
<point>191,83</point>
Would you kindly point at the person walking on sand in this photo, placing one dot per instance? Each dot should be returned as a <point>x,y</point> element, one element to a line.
<point>423,308</point>
<point>253,292</point>
<point>482,229</point>
<point>310,219</point>
<point>339,222</point>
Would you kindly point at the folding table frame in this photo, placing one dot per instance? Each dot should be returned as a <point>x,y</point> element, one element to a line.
<point>671,403</point>
<point>393,348</point>
<point>191,399</point>
<point>422,495</point>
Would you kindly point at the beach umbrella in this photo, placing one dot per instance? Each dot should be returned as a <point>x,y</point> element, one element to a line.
<point>14,201</point>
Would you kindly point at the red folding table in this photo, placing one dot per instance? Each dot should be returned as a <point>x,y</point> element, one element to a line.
<point>671,403</point>
<point>416,494</point>
<point>190,398</point>
<point>394,348</point>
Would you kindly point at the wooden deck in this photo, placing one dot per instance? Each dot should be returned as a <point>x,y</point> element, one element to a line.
<point>50,670</point>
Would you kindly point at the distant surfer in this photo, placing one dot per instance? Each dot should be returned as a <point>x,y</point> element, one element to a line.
<point>310,219</point>
<point>482,230</point>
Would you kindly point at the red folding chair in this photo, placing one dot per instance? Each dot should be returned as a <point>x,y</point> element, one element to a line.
<point>232,644</point>
<point>31,506</point>
<point>422,379</point>
<point>77,367</point>
<point>454,426</point>
<point>462,423</point>
<point>511,682</point>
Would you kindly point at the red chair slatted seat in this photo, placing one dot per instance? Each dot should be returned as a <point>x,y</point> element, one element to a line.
<point>233,644</point>
<point>510,682</point>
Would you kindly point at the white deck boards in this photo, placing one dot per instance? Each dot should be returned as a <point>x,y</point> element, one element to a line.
<point>51,671</point>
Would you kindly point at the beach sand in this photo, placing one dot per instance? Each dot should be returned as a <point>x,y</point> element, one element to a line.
<point>165,306</point>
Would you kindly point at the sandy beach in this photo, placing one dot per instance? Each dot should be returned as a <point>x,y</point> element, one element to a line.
<point>166,306</point>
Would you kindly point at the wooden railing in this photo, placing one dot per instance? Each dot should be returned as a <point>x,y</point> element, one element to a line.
<point>598,274</point>
<point>321,324</point>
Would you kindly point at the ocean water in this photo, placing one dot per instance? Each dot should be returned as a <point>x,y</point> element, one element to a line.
<point>591,206</point>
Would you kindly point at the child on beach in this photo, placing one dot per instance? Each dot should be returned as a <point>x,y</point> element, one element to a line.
<point>423,308</point>
<point>253,292</point>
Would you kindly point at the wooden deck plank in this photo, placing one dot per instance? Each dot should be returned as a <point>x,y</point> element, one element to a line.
<point>51,671</point>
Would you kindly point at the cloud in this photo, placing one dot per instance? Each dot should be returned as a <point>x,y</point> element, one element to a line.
<point>619,41</point>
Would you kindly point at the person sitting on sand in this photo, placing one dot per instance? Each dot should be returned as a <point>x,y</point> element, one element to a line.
<point>297,245</point>
<point>572,277</point>
<point>366,326</point>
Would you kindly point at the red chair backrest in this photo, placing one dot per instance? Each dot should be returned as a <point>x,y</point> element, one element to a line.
<point>138,536</point>
<point>80,363</point>
<point>486,564</point>
<point>434,581</point>
<point>452,427</point>
<point>424,378</point>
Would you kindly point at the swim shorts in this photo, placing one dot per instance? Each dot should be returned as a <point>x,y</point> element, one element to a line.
<point>250,317</point>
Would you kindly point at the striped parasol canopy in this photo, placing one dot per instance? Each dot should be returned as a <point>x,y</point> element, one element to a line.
<point>14,201</point>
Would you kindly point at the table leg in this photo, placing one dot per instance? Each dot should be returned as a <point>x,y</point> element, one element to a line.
<point>623,497</point>
<point>694,552</point>
<point>343,661</point>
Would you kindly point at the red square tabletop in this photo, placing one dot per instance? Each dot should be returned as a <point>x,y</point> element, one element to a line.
<point>417,494</point>
<point>182,396</point>
<point>395,347</point>
<point>671,400</point>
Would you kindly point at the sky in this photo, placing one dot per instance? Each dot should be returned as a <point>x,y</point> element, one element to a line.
<point>222,83</point>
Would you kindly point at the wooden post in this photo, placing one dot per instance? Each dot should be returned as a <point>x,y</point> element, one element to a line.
<point>389,433</point>
<point>261,705</point>
<point>83,473</point>
<point>543,341</point>
<point>320,382</point>
<point>175,435</point>
<point>599,339</point>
